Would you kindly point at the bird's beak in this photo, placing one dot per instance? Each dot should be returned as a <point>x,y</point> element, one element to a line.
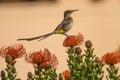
<point>75,10</point>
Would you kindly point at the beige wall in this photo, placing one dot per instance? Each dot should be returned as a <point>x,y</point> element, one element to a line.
<point>98,22</point>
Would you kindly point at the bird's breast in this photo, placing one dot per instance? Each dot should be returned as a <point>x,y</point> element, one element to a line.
<point>69,25</point>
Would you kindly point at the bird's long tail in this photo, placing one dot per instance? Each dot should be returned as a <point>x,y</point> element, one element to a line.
<point>38,37</point>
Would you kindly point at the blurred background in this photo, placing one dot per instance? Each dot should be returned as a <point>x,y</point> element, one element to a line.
<point>97,20</point>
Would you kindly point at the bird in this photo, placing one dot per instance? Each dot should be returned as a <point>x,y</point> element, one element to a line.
<point>62,28</point>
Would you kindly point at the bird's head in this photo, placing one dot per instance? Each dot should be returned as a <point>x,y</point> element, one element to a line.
<point>68,12</point>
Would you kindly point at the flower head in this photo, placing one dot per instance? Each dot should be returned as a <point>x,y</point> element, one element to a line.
<point>88,44</point>
<point>66,74</point>
<point>111,58</point>
<point>73,40</point>
<point>15,51</point>
<point>78,50</point>
<point>97,59</point>
<point>30,74</point>
<point>44,59</point>
<point>8,59</point>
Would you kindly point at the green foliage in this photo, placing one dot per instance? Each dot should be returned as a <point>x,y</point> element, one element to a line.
<point>44,74</point>
<point>112,73</point>
<point>11,71</point>
<point>60,77</point>
<point>84,66</point>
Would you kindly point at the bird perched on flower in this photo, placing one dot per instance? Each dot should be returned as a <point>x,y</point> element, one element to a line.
<point>62,28</point>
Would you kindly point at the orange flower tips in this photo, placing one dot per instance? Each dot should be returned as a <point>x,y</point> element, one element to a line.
<point>111,58</point>
<point>72,41</point>
<point>66,75</point>
<point>45,59</point>
<point>13,51</point>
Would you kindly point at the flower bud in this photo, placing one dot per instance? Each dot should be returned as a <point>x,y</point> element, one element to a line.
<point>8,59</point>
<point>29,75</point>
<point>78,50</point>
<point>66,75</point>
<point>2,73</point>
<point>18,79</point>
<point>48,65</point>
<point>97,59</point>
<point>60,76</point>
<point>88,44</point>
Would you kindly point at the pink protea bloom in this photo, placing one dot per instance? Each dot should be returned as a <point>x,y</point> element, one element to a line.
<point>44,59</point>
<point>15,51</point>
<point>111,58</point>
<point>73,40</point>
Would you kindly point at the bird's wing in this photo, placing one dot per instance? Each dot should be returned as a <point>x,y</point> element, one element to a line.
<point>59,26</point>
<point>63,24</point>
